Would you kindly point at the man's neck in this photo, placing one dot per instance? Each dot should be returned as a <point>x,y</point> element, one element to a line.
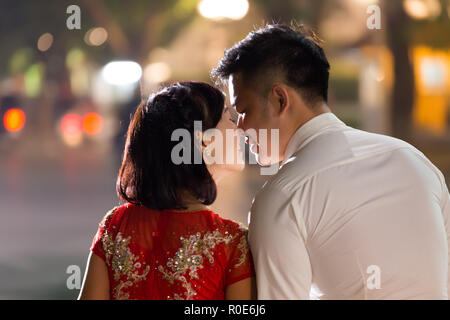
<point>317,110</point>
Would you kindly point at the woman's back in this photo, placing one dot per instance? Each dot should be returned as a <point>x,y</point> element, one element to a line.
<point>168,254</point>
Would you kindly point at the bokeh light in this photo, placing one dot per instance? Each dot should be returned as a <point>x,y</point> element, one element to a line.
<point>121,72</point>
<point>14,120</point>
<point>422,9</point>
<point>92,123</point>
<point>45,41</point>
<point>71,129</point>
<point>96,36</point>
<point>33,79</point>
<point>223,9</point>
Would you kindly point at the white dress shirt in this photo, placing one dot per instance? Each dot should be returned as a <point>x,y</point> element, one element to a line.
<point>351,215</point>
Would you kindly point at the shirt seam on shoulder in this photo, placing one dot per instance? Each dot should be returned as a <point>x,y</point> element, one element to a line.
<point>335,165</point>
<point>439,175</point>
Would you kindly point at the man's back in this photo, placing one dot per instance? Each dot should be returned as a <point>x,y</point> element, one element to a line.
<point>347,209</point>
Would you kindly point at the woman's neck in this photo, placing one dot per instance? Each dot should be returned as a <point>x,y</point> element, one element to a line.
<point>191,203</point>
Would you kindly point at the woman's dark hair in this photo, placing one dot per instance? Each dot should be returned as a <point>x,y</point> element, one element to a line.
<point>293,52</point>
<point>148,176</point>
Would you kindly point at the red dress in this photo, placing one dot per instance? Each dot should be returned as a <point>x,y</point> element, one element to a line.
<point>165,254</point>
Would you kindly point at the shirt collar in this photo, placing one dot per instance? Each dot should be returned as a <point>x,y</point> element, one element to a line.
<point>308,130</point>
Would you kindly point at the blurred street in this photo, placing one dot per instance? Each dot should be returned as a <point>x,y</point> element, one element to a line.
<point>53,205</point>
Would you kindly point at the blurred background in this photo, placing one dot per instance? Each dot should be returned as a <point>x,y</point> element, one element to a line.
<point>71,76</point>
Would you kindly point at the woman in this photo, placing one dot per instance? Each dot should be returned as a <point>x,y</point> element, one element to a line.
<point>165,242</point>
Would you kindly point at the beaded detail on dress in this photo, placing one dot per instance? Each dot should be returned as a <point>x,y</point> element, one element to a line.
<point>121,260</point>
<point>190,257</point>
<point>172,270</point>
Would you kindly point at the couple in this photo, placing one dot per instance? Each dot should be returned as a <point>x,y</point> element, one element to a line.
<point>349,214</point>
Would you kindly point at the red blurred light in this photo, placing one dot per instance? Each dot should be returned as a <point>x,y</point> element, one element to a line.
<point>14,120</point>
<point>92,123</point>
<point>71,124</point>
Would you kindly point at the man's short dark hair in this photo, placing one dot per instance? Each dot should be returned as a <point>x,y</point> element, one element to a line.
<point>148,176</point>
<point>289,52</point>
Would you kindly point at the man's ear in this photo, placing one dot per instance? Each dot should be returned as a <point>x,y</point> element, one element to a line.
<point>280,98</point>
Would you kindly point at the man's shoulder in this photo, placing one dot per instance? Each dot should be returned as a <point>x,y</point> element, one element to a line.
<point>330,150</point>
<point>278,189</point>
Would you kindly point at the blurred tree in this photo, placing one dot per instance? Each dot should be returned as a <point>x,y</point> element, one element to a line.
<point>134,27</point>
<point>431,32</point>
<point>22,23</point>
<point>301,11</point>
<point>137,26</point>
<point>398,41</point>
<point>402,32</point>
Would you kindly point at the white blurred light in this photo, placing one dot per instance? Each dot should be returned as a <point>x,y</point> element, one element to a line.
<point>122,72</point>
<point>222,9</point>
<point>157,72</point>
<point>433,72</point>
<point>106,95</point>
<point>45,42</point>
<point>422,9</point>
<point>103,94</point>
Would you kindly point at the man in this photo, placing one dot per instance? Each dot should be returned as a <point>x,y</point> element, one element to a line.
<point>349,214</point>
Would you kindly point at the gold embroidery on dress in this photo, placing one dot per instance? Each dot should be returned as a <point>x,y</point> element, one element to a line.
<point>242,246</point>
<point>190,258</point>
<point>107,217</point>
<point>123,263</point>
<point>118,290</point>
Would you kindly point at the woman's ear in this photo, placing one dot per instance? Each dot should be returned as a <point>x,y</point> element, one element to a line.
<point>281,98</point>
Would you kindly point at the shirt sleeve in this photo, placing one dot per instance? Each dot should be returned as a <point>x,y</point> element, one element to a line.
<point>446,214</point>
<point>98,242</point>
<point>278,243</point>
<point>240,264</point>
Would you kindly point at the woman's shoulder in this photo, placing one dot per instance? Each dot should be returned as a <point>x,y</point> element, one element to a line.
<point>238,247</point>
<point>229,226</point>
<point>115,215</point>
